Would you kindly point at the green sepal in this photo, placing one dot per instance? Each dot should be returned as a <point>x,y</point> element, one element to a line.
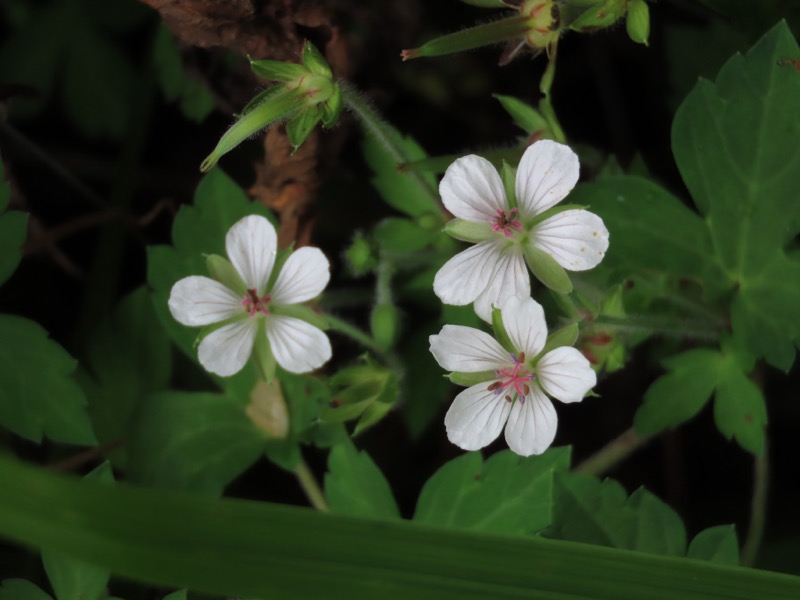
<point>637,21</point>
<point>599,17</point>
<point>524,116</point>
<point>280,259</point>
<point>332,107</point>
<point>468,231</point>
<point>500,333</point>
<point>223,271</point>
<point>274,70</point>
<point>302,312</point>
<point>262,96</point>
<point>509,174</point>
<point>372,415</point>
<point>315,62</point>
<point>546,269</point>
<point>344,412</point>
<point>470,379</point>
<point>301,125</point>
<point>566,336</point>
<point>263,356</point>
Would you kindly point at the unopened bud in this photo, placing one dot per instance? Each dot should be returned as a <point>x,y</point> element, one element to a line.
<point>638,21</point>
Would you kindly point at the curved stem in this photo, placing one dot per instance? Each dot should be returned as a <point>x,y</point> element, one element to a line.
<point>666,326</point>
<point>758,509</point>
<point>354,333</point>
<point>612,453</point>
<point>310,486</point>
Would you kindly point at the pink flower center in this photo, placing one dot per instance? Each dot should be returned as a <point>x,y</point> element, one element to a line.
<point>253,304</point>
<point>505,221</point>
<point>516,377</point>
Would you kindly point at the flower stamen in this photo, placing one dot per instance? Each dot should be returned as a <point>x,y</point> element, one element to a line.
<point>505,221</point>
<point>516,377</point>
<point>253,304</point>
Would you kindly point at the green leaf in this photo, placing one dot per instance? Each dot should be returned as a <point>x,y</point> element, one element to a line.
<point>73,578</point>
<point>525,116</point>
<point>177,595</point>
<point>716,544</point>
<point>13,231</point>
<point>247,549</point>
<point>401,236</point>
<point>355,486</point>
<point>735,142</point>
<point>506,494</point>
<point>21,589</point>
<point>129,357</point>
<point>38,396</point>
<point>588,510</point>
<point>739,408</point>
<point>192,441</point>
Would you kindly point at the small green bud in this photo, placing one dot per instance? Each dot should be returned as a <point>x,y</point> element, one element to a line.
<point>468,231</point>
<point>360,256</point>
<point>544,22</point>
<point>384,324</point>
<point>638,21</point>
<point>223,271</point>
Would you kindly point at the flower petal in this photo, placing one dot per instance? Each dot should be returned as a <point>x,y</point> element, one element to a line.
<point>469,350</point>
<point>576,239</point>
<point>303,277</point>
<point>476,417</point>
<point>196,301</point>
<point>510,278</point>
<point>467,274</point>
<point>297,346</point>
<point>546,174</point>
<point>566,374</point>
<point>523,319</point>
<point>251,245</point>
<point>472,190</point>
<point>532,424</point>
<point>226,350</point>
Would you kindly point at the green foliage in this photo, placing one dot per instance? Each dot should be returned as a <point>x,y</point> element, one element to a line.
<point>716,544</point>
<point>21,589</point>
<point>588,510</point>
<point>506,494</point>
<point>354,485</point>
<point>72,578</point>
<point>39,398</point>
<point>735,142</point>
<point>13,230</point>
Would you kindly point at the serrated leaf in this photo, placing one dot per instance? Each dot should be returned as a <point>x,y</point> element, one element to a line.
<point>739,408</point>
<point>192,441</point>
<point>735,142</point>
<point>13,231</point>
<point>22,589</point>
<point>506,494</point>
<point>716,544</point>
<point>38,396</point>
<point>73,578</point>
<point>658,529</point>
<point>354,485</point>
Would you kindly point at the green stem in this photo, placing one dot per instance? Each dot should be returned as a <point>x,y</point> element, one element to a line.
<point>354,333</point>
<point>758,509</point>
<point>612,453</point>
<point>665,326</point>
<point>310,486</point>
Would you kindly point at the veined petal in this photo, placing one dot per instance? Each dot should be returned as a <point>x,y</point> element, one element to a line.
<point>566,374</point>
<point>251,245</point>
<point>196,301</point>
<point>546,173</point>
<point>576,239</point>
<point>225,351</point>
<point>303,276</point>
<point>469,350</point>
<point>510,278</point>
<point>532,424</point>
<point>472,190</point>
<point>467,274</point>
<point>476,417</point>
<point>298,347</point>
<point>523,319</point>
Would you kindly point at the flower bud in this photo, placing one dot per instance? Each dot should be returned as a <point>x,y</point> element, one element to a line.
<point>360,256</point>
<point>638,21</point>
<point>543,24</point>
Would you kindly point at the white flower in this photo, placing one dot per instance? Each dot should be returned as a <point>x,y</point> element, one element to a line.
<point>507,236</point>
<point>514,392</point>
<point>251,245</point>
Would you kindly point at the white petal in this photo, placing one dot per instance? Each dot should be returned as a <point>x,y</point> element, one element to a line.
<point>472,190</point>
<point>576,239</point>
<point>459,348</point>
<point>510,278</point>
<point>303,277</point>
<point>297,346</point>
<point>566,374</point>
<point>532,424</point>
<point>196,301</point>
<point>546,174</point>
<point>467,274</point>
<point>251,245</point>
<point>524,321</point>
<point>476,417</point>
<point>225,351</point>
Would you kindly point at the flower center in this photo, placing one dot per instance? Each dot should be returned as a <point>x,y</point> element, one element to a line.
<point>516,377</point>
<point>253,304</point>
<point>505,221</point>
